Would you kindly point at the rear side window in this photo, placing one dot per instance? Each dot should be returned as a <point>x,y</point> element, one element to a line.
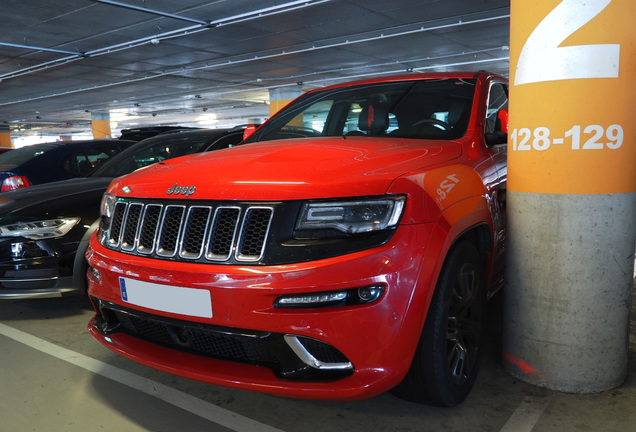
<point>86,160</point>
<point>15,158</point>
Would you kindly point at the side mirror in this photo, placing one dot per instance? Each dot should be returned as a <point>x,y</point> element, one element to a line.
<point>249,131</point>
<point>500,135</point>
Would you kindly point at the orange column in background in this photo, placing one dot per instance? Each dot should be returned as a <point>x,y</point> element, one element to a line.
<point>276,105</point>
<point>101,125</point>
<point>5,137</point>
<point>280,97</point>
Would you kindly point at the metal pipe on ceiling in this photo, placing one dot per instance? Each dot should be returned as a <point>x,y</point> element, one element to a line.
<point>29,47</point>
<point>269,11</point>
<point>151,11</point>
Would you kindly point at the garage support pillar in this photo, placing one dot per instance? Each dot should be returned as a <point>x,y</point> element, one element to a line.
<point>101,125</point>
<point>5,137</point>
<point>571,193</point>
<point>279,97</point>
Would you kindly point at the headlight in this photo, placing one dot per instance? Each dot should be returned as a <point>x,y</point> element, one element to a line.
<point>334,218</point>
<point>108,205</point>
<point>39,229</point>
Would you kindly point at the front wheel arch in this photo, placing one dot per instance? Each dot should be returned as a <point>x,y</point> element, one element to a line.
<point>446,361</point>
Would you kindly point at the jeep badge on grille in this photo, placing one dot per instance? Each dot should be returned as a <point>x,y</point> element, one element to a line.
<point>183,190</point>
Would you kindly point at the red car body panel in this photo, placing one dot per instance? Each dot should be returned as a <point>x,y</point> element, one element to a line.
<point>450,186</point>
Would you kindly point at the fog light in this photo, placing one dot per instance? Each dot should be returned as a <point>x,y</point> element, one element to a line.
<point>370,293</point>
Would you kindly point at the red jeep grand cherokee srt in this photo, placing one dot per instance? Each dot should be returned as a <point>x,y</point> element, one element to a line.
<point>347,248</point>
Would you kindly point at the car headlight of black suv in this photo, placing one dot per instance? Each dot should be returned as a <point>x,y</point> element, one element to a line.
<point>39,230</point>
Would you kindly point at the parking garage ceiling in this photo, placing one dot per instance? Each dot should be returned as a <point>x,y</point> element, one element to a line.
<point>194,62</point>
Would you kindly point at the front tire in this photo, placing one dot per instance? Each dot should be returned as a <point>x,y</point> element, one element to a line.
<point>446,362</point>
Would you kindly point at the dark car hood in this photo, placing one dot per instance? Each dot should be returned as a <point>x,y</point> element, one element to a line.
<point>56,199</point>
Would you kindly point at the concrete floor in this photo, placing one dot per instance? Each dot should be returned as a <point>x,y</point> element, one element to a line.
<point>55,377</point>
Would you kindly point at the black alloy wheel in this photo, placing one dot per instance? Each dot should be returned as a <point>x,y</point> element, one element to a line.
<point>446,362</point>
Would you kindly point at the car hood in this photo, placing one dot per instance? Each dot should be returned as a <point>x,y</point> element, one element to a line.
<point>55,199</point>
<point>289,169</point>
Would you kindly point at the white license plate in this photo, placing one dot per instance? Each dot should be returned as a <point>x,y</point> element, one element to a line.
<point>166,298</point>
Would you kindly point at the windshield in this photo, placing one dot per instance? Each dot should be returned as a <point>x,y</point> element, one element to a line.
<point>150,151</point>
<point>14,158</point>
<point>419,109</point>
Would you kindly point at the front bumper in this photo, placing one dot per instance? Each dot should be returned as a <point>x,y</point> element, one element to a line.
<point>36,268</point>
<point>288,356</point>
<point>339,353</point>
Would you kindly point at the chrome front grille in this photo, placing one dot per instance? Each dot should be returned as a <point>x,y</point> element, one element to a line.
<point>201,233</point>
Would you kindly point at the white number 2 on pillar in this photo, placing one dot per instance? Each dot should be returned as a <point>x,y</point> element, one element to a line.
<point>542,59</point>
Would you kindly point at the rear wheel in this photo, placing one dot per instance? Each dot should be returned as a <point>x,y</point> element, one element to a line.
<point>447,359</point>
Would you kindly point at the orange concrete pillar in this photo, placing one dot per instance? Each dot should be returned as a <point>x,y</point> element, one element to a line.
<point>279,97</point>
<point>101,125</point>
<point>5,137</point>
<point>571,193</point>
